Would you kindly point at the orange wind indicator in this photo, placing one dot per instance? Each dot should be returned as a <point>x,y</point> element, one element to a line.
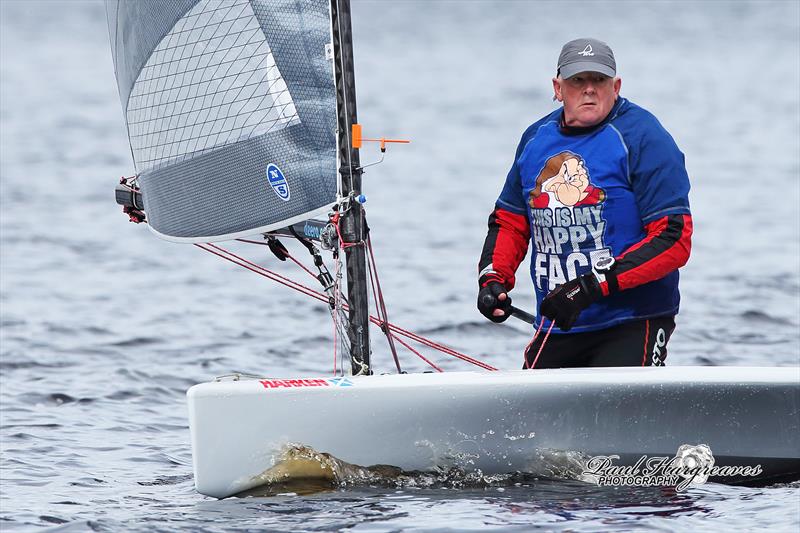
<point>358,140</point>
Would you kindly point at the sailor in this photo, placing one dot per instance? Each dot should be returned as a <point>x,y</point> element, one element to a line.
<point>600,188</point>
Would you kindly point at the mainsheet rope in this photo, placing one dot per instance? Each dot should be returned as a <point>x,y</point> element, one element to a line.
<point>541,346</point>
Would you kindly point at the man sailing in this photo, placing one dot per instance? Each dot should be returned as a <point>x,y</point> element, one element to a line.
<point>600,188</point>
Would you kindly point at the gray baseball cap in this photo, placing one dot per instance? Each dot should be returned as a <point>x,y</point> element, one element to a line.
<point>586,55</point>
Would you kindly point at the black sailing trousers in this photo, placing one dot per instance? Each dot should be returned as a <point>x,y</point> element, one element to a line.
<point>635,343</point>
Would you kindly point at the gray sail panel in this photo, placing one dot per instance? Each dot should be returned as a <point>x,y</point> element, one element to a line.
<point>211,81</point>
<point>135,28</point>
<point>215,207</point>
<point>309,75</point>
<point>216,109</point>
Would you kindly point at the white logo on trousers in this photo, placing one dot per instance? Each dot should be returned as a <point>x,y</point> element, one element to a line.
<point>661,341</point>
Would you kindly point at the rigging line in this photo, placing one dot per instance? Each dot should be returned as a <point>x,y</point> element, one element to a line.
<point>338,308</point>
<point>301,265</point>
<point>335,315</point>
<point>323,298</point>
<point>262,271</point>
<point>380,304</point>
<point>338,324</point>
<point>335,342</point>
<point>525,353</point>
<point>297,262</point>
<point>277,277</point>
<point>440,347</point>
<point>546,335</point>
<point>343,243</point>
<point>290,256</point>
<point>401,341</point>
<point>383,319</point>
<point>239,261</point>
<point>255,265</point>
<point>340,340</point>
<point>382,315</point>
<point>266,273</point>
<point>302,240</point>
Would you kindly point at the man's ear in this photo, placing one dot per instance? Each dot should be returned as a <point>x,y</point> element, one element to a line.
<point>617,86</point>
<point>557,90</point>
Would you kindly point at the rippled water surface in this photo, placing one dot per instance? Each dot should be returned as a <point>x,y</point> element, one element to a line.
<point>104,327</point>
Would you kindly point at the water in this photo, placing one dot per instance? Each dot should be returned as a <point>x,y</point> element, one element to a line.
<point>104,327</point>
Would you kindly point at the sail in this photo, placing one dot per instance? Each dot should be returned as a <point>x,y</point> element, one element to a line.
<point>230,107</point>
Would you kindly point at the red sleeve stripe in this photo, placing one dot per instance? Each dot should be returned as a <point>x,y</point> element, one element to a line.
<point>665,248</point>
<point>506,245</point>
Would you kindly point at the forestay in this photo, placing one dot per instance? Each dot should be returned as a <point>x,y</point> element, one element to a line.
<point>230,107</point>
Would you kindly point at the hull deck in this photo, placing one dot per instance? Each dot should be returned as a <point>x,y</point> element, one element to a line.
<point>498,422</point>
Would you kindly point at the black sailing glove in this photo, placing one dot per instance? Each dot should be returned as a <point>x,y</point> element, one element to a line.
<point>488,301</point>
<point>564,303</point>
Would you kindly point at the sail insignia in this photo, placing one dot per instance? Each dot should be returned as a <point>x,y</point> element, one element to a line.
<point>278,182</point>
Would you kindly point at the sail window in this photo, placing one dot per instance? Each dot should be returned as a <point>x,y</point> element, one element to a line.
<point>211,81</point>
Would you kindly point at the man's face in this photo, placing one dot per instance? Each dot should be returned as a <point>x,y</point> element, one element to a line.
<point>588,97</point>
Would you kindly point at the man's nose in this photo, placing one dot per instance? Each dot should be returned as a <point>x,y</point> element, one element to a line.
<point>589,88</point>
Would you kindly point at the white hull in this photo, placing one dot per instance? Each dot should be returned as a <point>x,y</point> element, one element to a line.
<point>497,422</point>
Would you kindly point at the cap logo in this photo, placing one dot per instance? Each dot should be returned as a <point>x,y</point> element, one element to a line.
<point>586,51</point>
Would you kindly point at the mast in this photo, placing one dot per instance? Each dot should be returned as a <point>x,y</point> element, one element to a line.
<point>352,223</point>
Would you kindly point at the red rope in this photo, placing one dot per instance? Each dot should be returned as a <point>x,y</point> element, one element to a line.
<point>262,271</point>
<point>301,265</point>
<point>290,256</point>
<point>380,305</point>
<point>436,346</point>
<point>401,341</point>
<point>382,319</point>
<point>333,315</point>
<point>258,269</point>
<point>541,347</point>
<point>528,347</point>
<point>344,244</point>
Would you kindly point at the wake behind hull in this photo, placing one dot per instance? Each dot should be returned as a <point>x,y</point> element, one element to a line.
<point>498,422</point>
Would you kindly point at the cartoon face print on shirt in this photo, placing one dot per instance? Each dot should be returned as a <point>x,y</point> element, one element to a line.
<point>566,178</point>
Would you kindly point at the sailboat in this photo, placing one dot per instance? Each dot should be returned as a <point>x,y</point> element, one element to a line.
<point>241,116</point>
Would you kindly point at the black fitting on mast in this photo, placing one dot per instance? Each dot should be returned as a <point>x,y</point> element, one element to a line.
<point>324,277</point>
<point>352,223</point>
